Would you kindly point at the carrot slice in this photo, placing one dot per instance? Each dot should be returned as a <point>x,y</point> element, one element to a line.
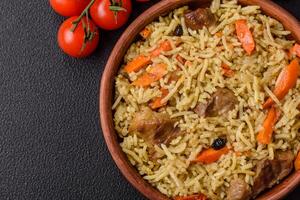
<point>286,80</point>
<point>156,103</point>
<point>297,161</point>
<point>145,33</point>
<point>137,63</point>
<point>164,46</point>
<point>141,61</point>
<point>180,59</point>
<point>265,135</point>
<point>245,153</point>
<point>192,197</point>
<point>155,73</point>
<point>244,35</point>
<point>295,50</point>
<point>227,71</point>
<point>211,155</point>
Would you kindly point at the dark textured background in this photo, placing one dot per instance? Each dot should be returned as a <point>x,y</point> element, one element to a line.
<point>51,145</point>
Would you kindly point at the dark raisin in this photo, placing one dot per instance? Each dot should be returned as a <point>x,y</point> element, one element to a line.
<point>178,31</point>
<point>219,143</point>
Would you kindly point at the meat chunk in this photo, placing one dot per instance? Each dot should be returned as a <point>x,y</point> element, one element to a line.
<point>238,190</point>
<point>198,18</point>
<point>220,103</point>
<point>154,127</point>
<point>269,172</point>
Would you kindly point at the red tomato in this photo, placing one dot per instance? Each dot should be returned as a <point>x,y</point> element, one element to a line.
<point>108,16</point>
<point>69,8</point>
<point>72,42</point>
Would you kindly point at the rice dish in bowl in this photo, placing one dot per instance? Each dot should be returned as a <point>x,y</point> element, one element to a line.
<point>207,105</point>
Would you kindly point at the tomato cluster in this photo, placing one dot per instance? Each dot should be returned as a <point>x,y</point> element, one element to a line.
<point>78,36</point>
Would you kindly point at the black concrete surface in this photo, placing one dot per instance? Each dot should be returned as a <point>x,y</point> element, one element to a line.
<point>51,144</point>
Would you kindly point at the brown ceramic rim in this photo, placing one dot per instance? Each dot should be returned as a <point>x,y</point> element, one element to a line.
<point>111,69</point>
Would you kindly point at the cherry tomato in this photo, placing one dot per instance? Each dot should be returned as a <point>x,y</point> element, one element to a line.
<point>75,43</point>
<point>69,8</point>
<point>109,15</point>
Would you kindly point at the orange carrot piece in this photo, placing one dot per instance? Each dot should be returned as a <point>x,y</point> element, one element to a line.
<point>297,161</point>
<point>164,46</point>
<point>180,59</point>
<point>145,33</point>
<point>295,50</point>
<point>137,63</point>
<point>227,71</point>
<point>192,197</point>
<point>141,61</point>
<point>211,155</point>
<point>244,35</point>
<point>244,153</point>
<point>286,80</point>
<point>155,73</point>
<point>156,103</point>
<point>265,135</point>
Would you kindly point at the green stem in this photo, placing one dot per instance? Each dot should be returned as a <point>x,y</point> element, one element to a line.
<point>117,8</point>
<point>84,12</point>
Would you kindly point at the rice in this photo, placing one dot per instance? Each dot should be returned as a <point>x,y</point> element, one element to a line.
<point>173,173</point>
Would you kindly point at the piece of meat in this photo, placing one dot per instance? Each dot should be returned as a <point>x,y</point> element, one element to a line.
<point>154,127</point>
<point>198,18</point>
<point>238,190</point>
<point>220,103</point>
<point>269,172</point>
<point>201,108</point>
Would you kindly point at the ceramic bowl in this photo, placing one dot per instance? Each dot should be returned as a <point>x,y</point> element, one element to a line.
<point>115,60</point>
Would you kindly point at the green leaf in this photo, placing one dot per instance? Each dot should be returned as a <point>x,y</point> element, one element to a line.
<point>117,8</point>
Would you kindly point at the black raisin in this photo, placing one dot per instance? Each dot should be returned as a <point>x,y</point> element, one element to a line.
<point>178,31</point>
<point>219,143</point>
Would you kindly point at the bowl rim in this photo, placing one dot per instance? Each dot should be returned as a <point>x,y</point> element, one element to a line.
<point>107,90</point>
